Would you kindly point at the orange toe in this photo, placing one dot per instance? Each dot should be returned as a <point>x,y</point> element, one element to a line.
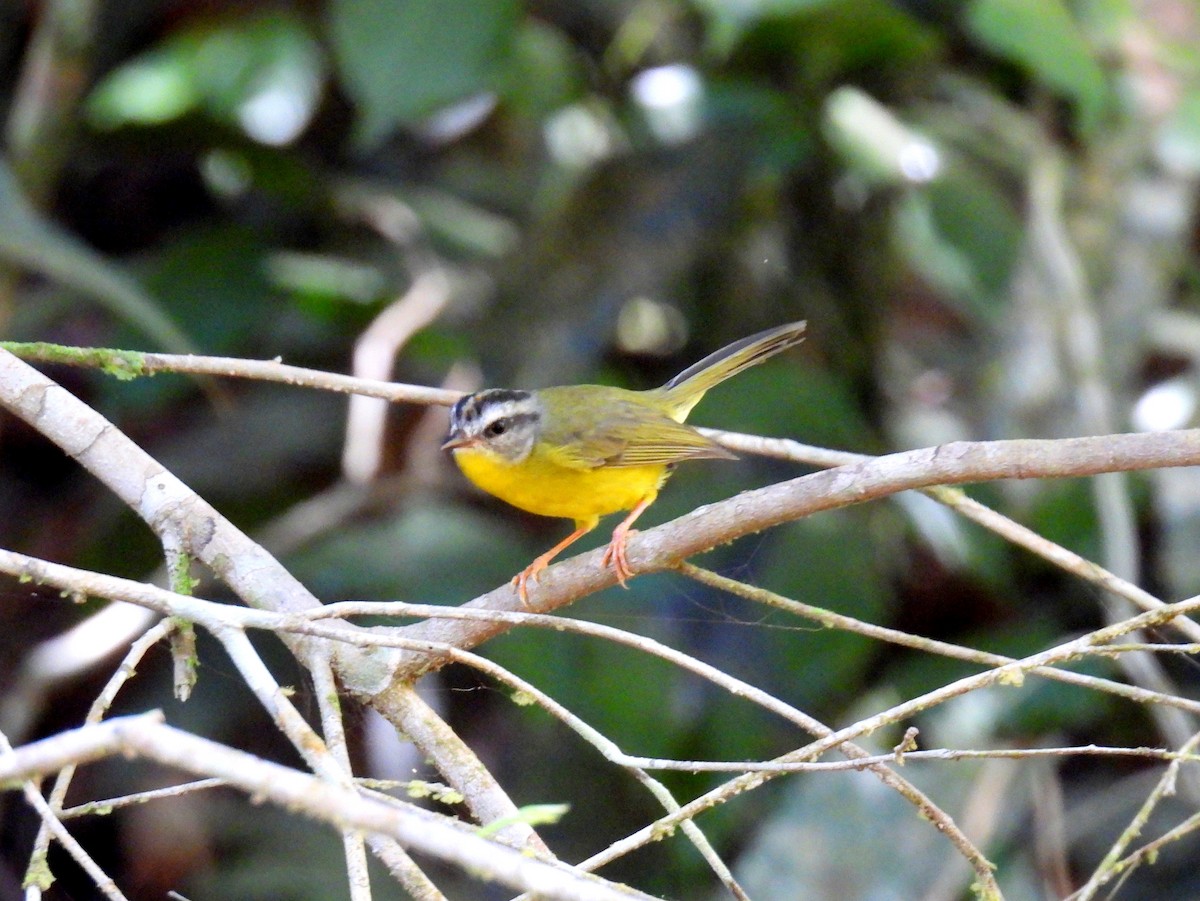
<point>521,580</point>
<point>615,554</point>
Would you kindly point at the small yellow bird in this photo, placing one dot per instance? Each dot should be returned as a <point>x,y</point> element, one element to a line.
<point>584,451</point>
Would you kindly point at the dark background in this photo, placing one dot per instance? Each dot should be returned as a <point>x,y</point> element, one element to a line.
<point>984,210</point>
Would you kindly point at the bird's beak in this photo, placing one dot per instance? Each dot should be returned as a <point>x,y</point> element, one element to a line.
<point>456,440</point>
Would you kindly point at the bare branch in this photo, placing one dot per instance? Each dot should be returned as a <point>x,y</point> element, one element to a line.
<point>341,807</point>
<point>131,364</point>
<point>957,500</point>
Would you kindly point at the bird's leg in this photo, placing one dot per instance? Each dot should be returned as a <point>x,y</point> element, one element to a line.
<point>615,552</point>
<point>534,569</point>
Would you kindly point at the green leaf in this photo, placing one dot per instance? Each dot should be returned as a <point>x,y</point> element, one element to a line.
<point>842,41</point>
<point>727,21</point>
<point>962,235</point>
<point>32,242</point>
<point>544,73</point>
<point>402,61</point>
<point>876,144</point>
<point>1043,38</point>
<point>150,90</point>
<point>262,75</point>
<point>531,814</point>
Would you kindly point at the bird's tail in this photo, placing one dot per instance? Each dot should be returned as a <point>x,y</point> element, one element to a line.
<point>685,390</point>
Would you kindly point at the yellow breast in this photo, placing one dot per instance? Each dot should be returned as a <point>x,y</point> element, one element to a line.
<point>542,486</point>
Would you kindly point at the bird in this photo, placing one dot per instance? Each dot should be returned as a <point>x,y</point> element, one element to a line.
<point>582,452</point>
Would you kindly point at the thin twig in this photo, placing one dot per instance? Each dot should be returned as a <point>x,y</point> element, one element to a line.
<point>934,754</point>
<point>1009,674</point>
<point>103,703</point>
<point>611,752</point>
<point>133,364</point>
<point>330,706</point>
<point>38,876</point>
<point>401,705</point>
<point>108,805</point>
<point>1149,851</point>
<point>831,620</point>
<point>1112,865</point>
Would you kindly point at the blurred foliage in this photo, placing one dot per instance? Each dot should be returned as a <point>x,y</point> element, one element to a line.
<point>611,190</point>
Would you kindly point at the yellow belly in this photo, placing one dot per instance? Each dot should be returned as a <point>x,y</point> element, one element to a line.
<point>548,489</point>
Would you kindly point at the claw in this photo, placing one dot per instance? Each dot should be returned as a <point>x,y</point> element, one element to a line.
<point>521,579</point>
<point>615,554</point>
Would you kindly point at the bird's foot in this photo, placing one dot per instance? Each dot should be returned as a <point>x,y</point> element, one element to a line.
<point>615,554</point>
<point>521,579</point>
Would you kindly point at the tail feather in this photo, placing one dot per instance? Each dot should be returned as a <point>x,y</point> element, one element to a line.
<point>685,390</point>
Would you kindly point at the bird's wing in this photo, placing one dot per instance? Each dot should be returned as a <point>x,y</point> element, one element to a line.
<point>627,433</point>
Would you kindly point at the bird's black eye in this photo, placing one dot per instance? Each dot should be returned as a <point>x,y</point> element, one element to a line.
<point>495,429</point>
